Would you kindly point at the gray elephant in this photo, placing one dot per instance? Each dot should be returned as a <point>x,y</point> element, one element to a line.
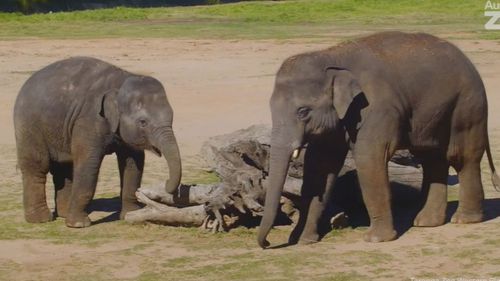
<point>374,95</point>
<point>70,114</point>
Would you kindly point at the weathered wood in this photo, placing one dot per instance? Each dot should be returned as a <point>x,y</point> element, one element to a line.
<point>188,195</point>
<point>407,175</point>
<point>163,214</point>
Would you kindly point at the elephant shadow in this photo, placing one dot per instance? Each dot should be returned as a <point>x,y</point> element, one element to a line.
<point>108,205</point>
<point>406,203</point>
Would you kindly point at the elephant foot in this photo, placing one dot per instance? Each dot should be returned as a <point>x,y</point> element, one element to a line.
<point>263,243</point>
<point>303,237</point>
<point>39,215</point>
<point>376,235</point>
<point>128,208</point>
<point>464,217</point>
<point>429,218</point>
<point>78,221</point>
<point>307,239</point>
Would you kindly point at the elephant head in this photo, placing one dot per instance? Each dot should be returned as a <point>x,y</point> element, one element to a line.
<point>141,115</point>
<point>310,99</point>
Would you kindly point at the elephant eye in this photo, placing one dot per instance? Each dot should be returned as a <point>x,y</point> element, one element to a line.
<point>142,123</point>
<point>303,112</point>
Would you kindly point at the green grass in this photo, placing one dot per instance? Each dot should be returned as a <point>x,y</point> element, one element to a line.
<point>452,194</point>
<point>247,266</point>
<point>368,257</point>
<point>492,242</point>
<point>255,20</point>
<point>346,276</point>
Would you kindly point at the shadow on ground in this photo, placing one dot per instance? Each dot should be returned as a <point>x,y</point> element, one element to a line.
<point>345,198</point>
<point>406,203</point>
<point>109,205</point>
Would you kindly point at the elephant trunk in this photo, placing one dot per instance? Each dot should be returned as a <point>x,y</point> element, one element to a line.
<point>170,150</point>
<point>278,169</point>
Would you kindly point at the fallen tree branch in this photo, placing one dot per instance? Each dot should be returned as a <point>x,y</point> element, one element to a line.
<point>163,214</point>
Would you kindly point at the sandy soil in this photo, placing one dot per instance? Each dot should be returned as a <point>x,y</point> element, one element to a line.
<point>217,87</point>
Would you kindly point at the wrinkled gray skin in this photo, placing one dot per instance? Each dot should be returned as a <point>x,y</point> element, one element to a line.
<point>69,115</point>
<point>374,95</point>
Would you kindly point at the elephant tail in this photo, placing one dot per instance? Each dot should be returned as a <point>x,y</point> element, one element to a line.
<point>495,179</point>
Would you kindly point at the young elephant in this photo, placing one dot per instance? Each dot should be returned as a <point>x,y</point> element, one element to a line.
<point>70,114</point>
<point>374,95</point>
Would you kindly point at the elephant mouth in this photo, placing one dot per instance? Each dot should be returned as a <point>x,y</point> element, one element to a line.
<point>155,150</point>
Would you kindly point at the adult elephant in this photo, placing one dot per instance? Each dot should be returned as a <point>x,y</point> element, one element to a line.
<point>70,114</point>
<point>374,95</point>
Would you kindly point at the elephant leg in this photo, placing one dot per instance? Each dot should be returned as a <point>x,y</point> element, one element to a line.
<point>34,167</point>
<point>371,162</point>
<point>434,190</point>
<point>322,163</point>
<point>313,216</point>
<point>36,209</point>
<point>62,175</point>
<point>85,172</point>
<point>470,195</point>
<point>468,166</point>
<point>131,166</point>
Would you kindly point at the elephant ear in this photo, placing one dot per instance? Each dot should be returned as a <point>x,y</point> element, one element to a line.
<point>108,108</point>
<point>344,88</point>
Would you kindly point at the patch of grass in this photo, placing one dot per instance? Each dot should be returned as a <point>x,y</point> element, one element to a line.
<point>345,276</point>
<point>473,236</point>
<point>492,242</point>
<point>6,266</point>
<point>25,72</point>
<point>428,275</point>
<point>367,258</point>
<point>281,265</point>
<point>229,270</point>
<point>426,251</point>
<point>337,235</point>
<point>14,227</point>
<point>7,204</point>
<point>471,257</point>
<point>259,19</point>
<point>151,276</point>
<point>136,248</point>
<point>467,253</point>
<point>452,194</point>
<point>56,231</point>
<point>494,261</point>
<point>180,262</point>
<point>198,176</point>
<point>495,274</point>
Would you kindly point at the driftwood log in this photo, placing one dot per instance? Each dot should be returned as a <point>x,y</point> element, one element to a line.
<point>241,161</point>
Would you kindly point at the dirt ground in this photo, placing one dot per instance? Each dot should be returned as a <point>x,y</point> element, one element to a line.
<point>217,87</point>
